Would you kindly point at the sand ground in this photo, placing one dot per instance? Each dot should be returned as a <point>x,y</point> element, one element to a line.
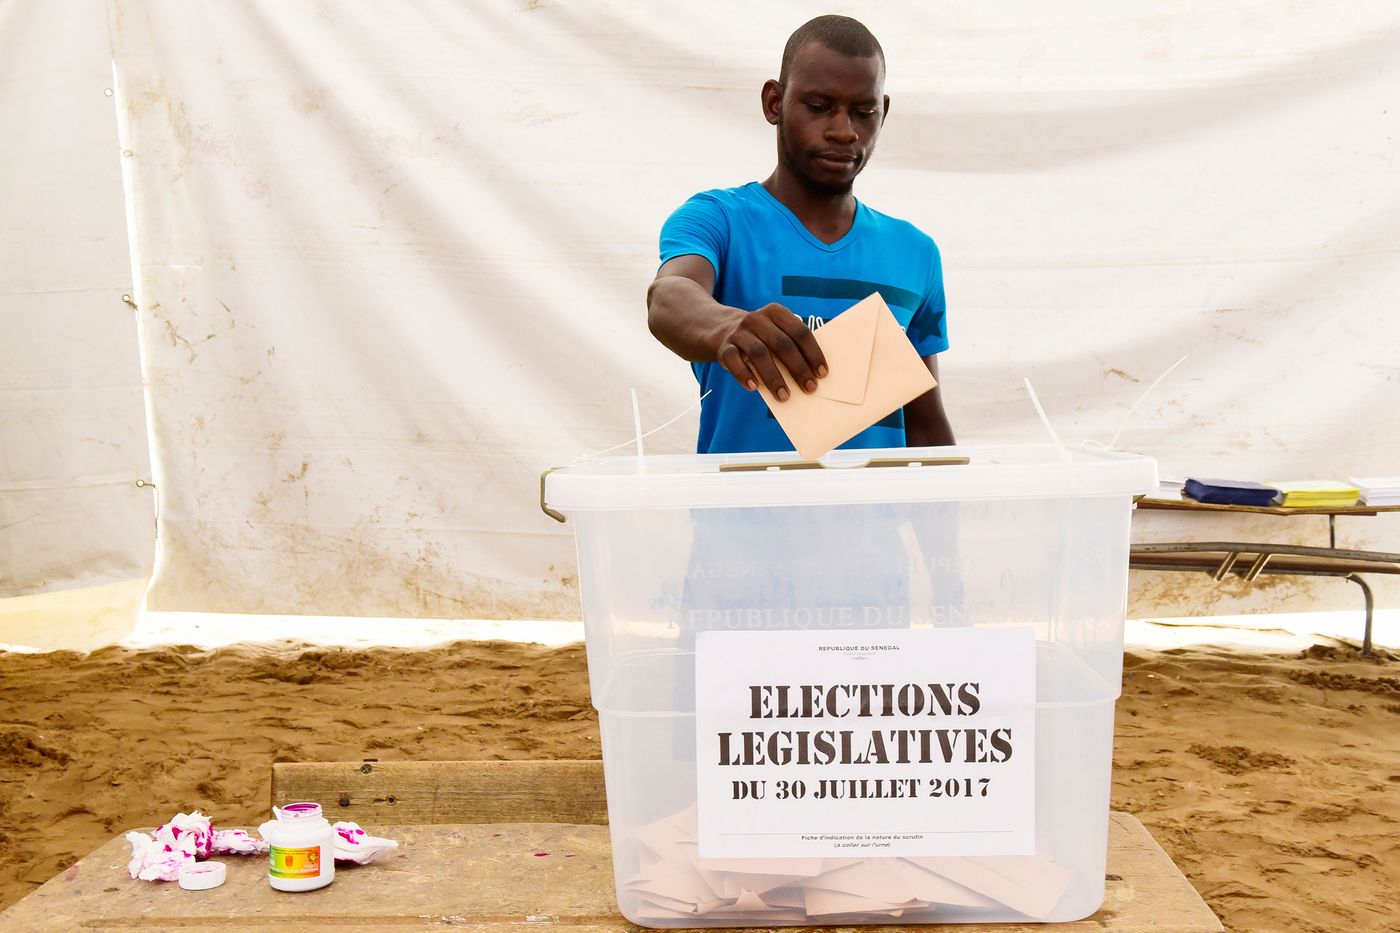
<point>1273,780</point>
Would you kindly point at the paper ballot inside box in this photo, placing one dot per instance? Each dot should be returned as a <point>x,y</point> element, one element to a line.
<point>873,370</point>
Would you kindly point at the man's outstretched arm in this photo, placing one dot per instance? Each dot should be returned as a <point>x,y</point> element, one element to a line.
<point>925,421</point>
<point>683,314</point>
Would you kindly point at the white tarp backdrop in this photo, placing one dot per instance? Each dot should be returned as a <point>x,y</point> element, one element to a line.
<point>73,439</point>
<point>392,259</point>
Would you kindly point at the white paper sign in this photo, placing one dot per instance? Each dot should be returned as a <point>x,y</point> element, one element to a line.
<point>866,743</point>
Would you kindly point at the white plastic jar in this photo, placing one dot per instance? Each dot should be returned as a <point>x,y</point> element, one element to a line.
<point>302,854</point>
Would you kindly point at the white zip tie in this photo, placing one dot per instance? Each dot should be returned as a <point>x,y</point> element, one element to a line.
<point>1035,400</point>
<point>1133,407</point>
<point>637,430</point>
<point>637,440</point>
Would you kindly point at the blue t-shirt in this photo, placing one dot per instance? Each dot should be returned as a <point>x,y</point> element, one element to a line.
<point>763,254</point>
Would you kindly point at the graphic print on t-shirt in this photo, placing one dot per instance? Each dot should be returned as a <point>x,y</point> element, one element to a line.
<point>818,286</point>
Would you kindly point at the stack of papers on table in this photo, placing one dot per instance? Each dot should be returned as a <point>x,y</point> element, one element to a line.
<point>1316,494</point>
<point>1229,491</point>
<point>675,883</point>
<point>1378,490</point>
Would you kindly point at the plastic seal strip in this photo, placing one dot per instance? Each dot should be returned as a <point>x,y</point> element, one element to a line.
<point>818,465</point>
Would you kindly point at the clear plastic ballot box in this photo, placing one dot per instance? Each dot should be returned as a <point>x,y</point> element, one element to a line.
<point>876,691</point>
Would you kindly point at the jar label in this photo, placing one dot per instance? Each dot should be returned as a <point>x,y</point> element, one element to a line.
<point>294,863</point>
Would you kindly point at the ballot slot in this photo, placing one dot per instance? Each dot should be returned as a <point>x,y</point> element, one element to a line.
<point>769,466</point>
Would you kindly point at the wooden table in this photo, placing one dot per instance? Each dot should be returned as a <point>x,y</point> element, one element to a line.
<point>1250,560</point>
<point>498,877</point>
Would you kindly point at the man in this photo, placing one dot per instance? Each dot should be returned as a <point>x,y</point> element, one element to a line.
<point>746,273</point>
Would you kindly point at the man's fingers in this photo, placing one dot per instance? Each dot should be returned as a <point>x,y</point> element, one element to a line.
<point>761,361</point>
<point>785,348</point>
<point>806,344</point>
<point>770,336</point>
<point>732,359</point>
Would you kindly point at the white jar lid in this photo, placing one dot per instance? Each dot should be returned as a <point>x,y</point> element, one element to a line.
<point>201,876</point>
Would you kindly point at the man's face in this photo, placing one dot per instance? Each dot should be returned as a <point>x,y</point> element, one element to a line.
<point>828,116</point>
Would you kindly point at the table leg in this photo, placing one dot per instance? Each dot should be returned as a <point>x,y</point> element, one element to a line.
<point>1370,609</point>
<point>1257,567</point>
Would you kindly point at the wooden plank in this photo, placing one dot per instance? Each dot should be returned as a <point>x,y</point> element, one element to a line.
<point>495,878</point>
<point>1145,890</point>
<point>485,876</point>
<point>375,792</point>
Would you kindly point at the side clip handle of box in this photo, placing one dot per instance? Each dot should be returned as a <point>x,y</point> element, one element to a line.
<point>559,517</point>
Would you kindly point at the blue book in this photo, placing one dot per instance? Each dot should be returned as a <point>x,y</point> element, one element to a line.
<point>1229,492</point>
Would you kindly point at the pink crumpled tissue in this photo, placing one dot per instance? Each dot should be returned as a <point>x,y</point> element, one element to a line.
<point>159,856</point>
<point>236,842</point>
<point>354,845</point>
<point>188,837</point>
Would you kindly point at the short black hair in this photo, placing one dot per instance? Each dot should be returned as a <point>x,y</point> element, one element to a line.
<point>838,33</point>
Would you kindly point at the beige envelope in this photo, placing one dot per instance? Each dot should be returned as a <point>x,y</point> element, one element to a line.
<point>1031,884</point>
<point>872,369</point>
<point>873,880</point>
<point>820,902</point>
<point>673,879</point>
<point>934,888</point>
<point>731,884</point>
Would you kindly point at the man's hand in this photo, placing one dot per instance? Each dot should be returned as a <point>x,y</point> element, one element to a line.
<point>749,347</point>
<point>683,314</point>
